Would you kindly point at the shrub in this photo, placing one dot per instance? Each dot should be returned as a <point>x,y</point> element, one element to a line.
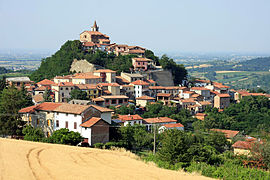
<point>108,145</point>
<point>32,134</point>
<point>99,145</point>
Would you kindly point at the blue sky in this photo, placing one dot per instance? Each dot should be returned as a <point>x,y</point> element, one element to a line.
<point>167,26</point>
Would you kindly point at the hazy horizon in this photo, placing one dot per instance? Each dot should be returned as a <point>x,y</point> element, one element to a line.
<point>186,26</point>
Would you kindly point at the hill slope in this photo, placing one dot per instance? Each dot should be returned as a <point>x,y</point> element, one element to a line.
<point>29,160</point>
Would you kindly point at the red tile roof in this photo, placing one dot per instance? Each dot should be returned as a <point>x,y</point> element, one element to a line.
<point>108,84</point>
<point>85,76</point>
<point>156,87</point>
<point>86,86</point>
<point>192,100</point>
<point>164,94</point>
<point>90,122</point>
<point>46,106</point>
<point>159,120</point>
<point>228,133</point>
<point>200,88</point>
<point>142,59</point>
<point>71,108</point>
<point>223,95</point>
<point>124,118</point>
<point>63,84</point>
<point>105,70</point>
<point>140,82</point>
<point>145,98</point>
<point>41,88</point>
<point>115,97</point>
<point>45,82</point>
<point>242,145</point>
<point>101,109</point>
<point>173,125</point>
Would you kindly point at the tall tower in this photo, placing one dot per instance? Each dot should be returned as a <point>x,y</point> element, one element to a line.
<point>94,27</point>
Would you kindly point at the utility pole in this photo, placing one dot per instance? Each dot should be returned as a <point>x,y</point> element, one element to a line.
<point>154,150</point>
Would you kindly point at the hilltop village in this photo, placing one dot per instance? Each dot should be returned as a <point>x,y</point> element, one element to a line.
<point>87,101</point>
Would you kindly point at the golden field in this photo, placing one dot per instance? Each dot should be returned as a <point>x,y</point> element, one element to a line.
<point>30,160</point>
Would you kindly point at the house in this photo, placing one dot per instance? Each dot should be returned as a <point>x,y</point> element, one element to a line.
<point>59,79</point>
<point>202,91</point>
<point>142,64</point>
<point>242,147</point>
<point>80,102</point>
<point>107,75</point>
<point>107,101</point>
<point>95,130</point>
<point>229,134</point>
<point>109,88</point>
<point>127,90</point>
<point>123,49</point>
<point>218,87</point>
<point>92,90</point>
<point>165,127</point>
<point>40,90</point>
<point>130,119</point>
<point>222,101</point>
<point>165,98</point>
<point>200,116</point>
<point>149,122</point>
<point>186,94</point>
<point>53,116</point>
<point>141,88</point>
<point>86,78</point>
<point>62,91</point>
<point>143,100</point>
<point>132,77</point>
<point>45,82</point>
<point>187,102</point>
<point>205,104</point>
<point>201,82</point>
<point>121,81</point>
<point>18,81</point>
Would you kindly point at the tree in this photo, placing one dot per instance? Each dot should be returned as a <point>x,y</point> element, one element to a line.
<point>64,136</point>
<point>32,134</point>
<point>78,94</point>
<point>46,96</point>
<point>11,101</point>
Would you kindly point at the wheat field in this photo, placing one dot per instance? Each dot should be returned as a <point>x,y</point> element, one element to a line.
<point>30,160</point>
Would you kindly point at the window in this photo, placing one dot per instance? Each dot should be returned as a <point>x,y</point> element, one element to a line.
<point>37,121</point>
<point>85,36</point>
<point>75,115</point>
<point>49,122</point>
<point>66,88</point>
<point>66,124</point>
<point>94,91</point>
<point>61,88</point>
<point>71,88</point>
<point>75,125</point>
<point>63,94</point>
<point>57,113</point>
<point>66,114</point>
<point>120,101</point>
<point>114,101</point>
<point>57,123</point>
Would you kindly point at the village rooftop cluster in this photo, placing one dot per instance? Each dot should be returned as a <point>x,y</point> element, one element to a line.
<point>92,118</point>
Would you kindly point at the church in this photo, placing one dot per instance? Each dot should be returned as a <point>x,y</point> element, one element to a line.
<point>94,37</point>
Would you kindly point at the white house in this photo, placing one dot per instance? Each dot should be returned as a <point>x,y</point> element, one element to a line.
<point>130,119</point>
<point>177,126</point>
<point>141,88</point>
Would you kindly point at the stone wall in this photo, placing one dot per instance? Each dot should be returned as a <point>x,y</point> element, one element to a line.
<point>83,66</point>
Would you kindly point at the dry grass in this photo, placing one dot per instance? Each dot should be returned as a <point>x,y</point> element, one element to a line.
<point>29,160</point>
<point>200,66</point>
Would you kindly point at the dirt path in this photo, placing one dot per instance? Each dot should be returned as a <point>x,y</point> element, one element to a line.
<point>29,160</point>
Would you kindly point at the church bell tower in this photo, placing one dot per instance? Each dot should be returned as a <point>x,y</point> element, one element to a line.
<point>94,27</point>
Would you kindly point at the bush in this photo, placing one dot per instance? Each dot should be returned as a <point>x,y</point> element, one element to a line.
<point>108,145</point>
<point>32,134</point>
<point>64,136</point>
<point>99,145</point>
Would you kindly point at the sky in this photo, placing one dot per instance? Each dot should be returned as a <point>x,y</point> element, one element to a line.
<point>159,25</point>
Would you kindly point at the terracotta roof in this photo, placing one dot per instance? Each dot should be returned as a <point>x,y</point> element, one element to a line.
<point>63,84</point>
<point>136,51</point>
<point>71,108</point>
<point>90,122</point>
<point>98,99</point>
<point>41,88</point>
<point>142,59</point>
<point>257,94</point>
<point>101,109</point>
<point>93,33</point>
<point>115,97</point>
<point>202,81</point>
<point>105,70</point>
<point>205,103</point>
<point>242,145</point>
<point>38,98</point>
<point>172,87</point>
<point>188,100</point>
<point>173,125</point>
<point>189,92</point>
<point>159,120</point>
<point>223,95</point>
<point>145,98</point>
<point>199,88</point>
<point>124,118</point>
<point>228,133</point>
<point>221,86</point>
<point>150,81</point>
<point>140,82</point>
<point>86,86</point>
<point>121,80</point>
<point>46,106</point>
<point>108,84</point>
<point>156,87</point>
<point>89,44</point>
<point>214,92</point>
<point>45,82</point>
<point>195,95</point>
<point>85,76</point>
<point>164,94</point>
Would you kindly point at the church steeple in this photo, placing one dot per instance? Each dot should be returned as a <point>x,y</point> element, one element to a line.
<point>95,27</point>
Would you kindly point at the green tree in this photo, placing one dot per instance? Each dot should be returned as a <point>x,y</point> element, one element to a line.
<point>32,134</point>
<point>78,94</point>
<point>64,136</point>
<point>46,96</point>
